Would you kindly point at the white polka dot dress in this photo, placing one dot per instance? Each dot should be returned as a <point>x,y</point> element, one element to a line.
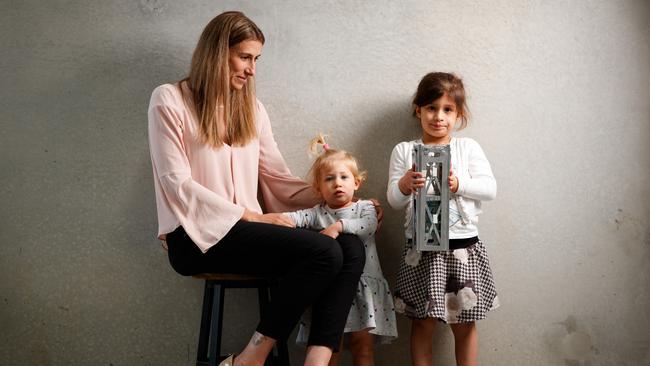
<point>372,307</point>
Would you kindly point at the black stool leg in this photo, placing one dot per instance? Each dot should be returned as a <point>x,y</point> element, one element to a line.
<point>281,345</point>
<point>216,325</point>
<point>283,353</point>
<point>279,356</point>
<point>204,333</point>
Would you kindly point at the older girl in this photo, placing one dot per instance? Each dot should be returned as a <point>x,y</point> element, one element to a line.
<point>454,286</point>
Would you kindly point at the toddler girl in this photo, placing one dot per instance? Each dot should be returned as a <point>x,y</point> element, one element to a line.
<point>453,286</point>
<point>335,176</point>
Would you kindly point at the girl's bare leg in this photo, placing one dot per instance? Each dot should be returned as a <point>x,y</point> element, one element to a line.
<point>361,347</point>
<point>466,343</point>
<point>421,341</point>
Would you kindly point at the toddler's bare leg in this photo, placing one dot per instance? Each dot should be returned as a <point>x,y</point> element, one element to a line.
<point>361,347</point>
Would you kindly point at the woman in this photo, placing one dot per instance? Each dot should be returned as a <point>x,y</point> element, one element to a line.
<point>211,147</point>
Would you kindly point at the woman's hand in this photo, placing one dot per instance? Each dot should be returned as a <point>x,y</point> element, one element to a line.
<point>270,218</point>
<point>333,230</point>
<point>453,181</point>
<point>380,211</point>
<point>411,181</point>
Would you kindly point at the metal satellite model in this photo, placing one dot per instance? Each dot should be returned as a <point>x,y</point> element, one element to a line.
<point>431,202</point>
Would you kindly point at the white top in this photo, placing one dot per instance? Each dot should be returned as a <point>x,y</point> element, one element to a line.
<point>476,183</point>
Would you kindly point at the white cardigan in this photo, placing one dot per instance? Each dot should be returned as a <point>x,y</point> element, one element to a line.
<point>476,183</point>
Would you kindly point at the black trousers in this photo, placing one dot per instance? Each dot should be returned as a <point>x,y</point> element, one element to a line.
<point>312,269</point>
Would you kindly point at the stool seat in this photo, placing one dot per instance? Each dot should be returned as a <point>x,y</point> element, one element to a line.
<point>226,276</point>
<point>231,277</point>
<point>209,349</point>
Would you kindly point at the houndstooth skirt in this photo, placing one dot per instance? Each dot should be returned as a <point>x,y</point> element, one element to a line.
<point>453,286</point>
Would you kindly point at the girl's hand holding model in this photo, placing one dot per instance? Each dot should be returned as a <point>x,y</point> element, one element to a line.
<point>412,180</point>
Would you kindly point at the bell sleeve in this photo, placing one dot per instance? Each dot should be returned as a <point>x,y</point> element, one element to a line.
<point>205,216</point>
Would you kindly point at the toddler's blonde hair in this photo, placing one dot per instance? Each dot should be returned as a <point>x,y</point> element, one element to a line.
<point>326,158</point>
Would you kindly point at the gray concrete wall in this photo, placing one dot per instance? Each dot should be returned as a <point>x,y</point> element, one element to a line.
<point>559,92</point>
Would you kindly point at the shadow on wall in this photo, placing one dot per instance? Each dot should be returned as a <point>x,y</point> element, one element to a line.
<point>123,279</point>
<point>373,147</point>
<point>85,186</point>
<point>390,124</point>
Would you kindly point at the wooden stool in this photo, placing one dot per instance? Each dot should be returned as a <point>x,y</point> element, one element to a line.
<point>209,350</point>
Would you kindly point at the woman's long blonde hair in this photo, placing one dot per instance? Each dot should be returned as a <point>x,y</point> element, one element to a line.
<point>209,82</point>
<point>326,158</point>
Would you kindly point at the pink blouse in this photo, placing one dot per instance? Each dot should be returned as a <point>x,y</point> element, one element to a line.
<point>206,189</point>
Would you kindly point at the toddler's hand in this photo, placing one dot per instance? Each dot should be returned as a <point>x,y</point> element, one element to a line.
<point>453,181</point>
<point>333,230</point>
<point>411,181</point>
